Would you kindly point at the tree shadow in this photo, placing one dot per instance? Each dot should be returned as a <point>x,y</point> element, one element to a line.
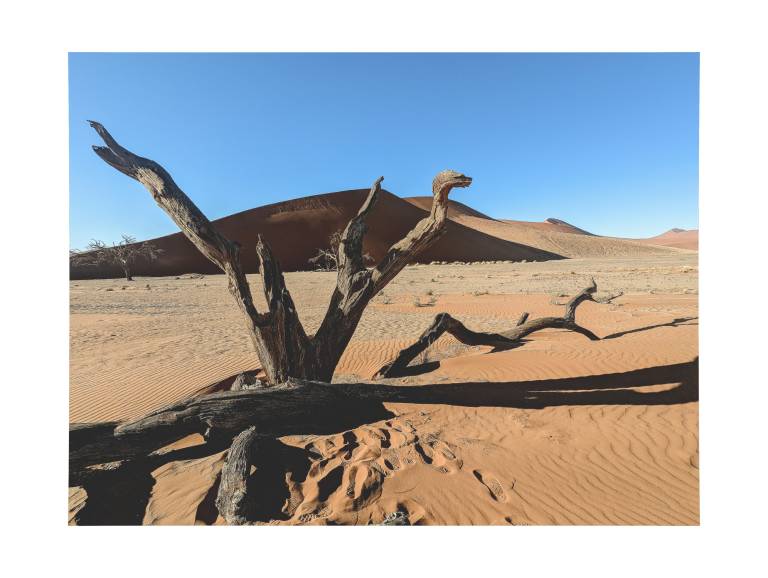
<point>268,484</point>
<point>674,323</point>
<point>605,389</point>
<point>120,495</point>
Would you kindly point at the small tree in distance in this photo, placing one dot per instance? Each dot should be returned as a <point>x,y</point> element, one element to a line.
<point>328,259</point>
<point>123,254</point>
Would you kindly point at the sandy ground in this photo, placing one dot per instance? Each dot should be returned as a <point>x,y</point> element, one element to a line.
<point>558,431</point>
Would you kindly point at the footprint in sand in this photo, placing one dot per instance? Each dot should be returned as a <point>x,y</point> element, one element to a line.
<point>492,484</point>
<point>438,454</point>
<point>391,461</point>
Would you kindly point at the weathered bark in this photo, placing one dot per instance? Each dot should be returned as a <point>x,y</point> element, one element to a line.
<point>232,499</point>
<point>283,347</point>
<point>356,285</point>
<point>444,323</point>
<point>296,407</point>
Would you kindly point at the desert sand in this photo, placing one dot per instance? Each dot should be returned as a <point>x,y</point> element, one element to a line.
<point>560,430</point>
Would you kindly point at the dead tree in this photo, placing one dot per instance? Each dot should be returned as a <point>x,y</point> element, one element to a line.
<point>282,345</point>
<point>298,367</point>
<point>122,254</point>
<point>444,323</point>
<point>328,259</point>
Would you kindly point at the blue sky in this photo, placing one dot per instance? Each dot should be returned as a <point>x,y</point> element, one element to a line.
<point>607,142</point>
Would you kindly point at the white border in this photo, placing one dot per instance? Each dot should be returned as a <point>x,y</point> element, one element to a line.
<point>36,38</point>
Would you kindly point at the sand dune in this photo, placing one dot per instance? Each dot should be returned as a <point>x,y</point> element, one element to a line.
<point>561,430</point>
<point>552,235</point>
<point>455,208</point>
<point>296,229</point>
<point>679,238</point>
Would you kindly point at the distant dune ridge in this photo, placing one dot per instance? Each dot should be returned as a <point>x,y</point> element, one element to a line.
<point>679,238</point>
<point>559,237</point>
<point>296,229</point>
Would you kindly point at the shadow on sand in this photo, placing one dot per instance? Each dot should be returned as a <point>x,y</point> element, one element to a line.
<point>120,496</point>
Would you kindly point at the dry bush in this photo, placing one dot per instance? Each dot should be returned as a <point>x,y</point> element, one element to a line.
<point>328,259</point>
<point>429,302</point>
<point>122,254</point>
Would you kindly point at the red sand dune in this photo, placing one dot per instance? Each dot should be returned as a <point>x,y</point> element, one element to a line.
<point>455,208</point>
<point>552,224</point>
<point>563,238</point>
<point>296,229</point>
<point>552,235</point>
<point>458,211</point>
<point>679,238</point>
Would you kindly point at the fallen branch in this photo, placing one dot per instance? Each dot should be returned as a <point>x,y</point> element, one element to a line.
<point>444,323</point>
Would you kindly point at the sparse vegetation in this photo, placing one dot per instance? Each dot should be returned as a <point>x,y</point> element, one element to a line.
<point>429,302</point>
<point>122,254</point>
<point>328,259</point>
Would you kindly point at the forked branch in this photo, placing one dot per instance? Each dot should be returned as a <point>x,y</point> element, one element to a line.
<point>280,341</point>
<point>265,329</point>
<point>426,231</point>
<point>356,285</point>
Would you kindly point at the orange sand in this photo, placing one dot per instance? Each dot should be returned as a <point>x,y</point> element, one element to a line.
<point>558,431</point>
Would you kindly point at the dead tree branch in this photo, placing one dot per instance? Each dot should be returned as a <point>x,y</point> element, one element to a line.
<point>278,336</point>
<point>444,323</point>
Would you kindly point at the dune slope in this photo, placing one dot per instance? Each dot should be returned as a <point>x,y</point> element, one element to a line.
<point>551,235</point>
<point>296,229</point>
<point>679,238</point>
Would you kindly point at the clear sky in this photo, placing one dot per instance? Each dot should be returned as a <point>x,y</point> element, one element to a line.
<point>607,142</point>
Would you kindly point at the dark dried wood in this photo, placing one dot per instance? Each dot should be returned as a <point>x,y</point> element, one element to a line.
<point>232,500</point>
<point>284,349</point>
<point>444,323</point>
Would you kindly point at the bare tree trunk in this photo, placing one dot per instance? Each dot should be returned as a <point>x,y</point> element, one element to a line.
<point>282,345</point>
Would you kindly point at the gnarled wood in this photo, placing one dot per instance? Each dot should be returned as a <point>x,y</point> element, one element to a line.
<point>283,347</point>
<point>217,248</point>
<point>232,499</point>
<point>357,285</point>
<point>444,323</point>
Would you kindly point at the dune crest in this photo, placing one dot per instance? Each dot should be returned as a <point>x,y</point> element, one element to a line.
<point>679,238</point>
<point>296,229</point>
